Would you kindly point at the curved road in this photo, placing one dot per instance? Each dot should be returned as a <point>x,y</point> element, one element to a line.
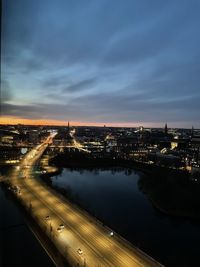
<point>83,241</point>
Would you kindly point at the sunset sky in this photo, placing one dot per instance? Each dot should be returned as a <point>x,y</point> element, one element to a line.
<point>129,63</point>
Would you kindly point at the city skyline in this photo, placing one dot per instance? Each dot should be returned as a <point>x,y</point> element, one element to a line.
<point>100,63</point>
<point>19,121</point>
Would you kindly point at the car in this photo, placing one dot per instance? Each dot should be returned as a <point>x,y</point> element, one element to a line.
<point>59,229</point>
<point>61,226</point>
<point>80,252</point>
<point>47,217</point>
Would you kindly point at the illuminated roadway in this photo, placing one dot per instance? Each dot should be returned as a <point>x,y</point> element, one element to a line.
<point>77,145</point>
<point>97,248</point>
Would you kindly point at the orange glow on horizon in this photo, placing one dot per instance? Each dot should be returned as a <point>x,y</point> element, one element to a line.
<point>16,120</point>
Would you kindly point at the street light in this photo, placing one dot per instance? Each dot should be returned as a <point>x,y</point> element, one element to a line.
<point>111,233</point>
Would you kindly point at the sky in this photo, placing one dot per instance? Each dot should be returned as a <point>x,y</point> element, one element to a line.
<point>100,62</point>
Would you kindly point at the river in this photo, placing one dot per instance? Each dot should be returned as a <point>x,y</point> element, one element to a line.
<point>114,197</point>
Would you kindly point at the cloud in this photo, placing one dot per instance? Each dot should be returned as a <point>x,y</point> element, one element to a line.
<point>6,92</point>
<point>24,111</point>
<point>102,60</point>
<point>110,108</point>
<point>80,86</point>
<point>54,96</point>
<point>55,81</point>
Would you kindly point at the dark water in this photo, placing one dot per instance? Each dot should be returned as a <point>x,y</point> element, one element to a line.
<point>114,197</point>
<point>18,246</point>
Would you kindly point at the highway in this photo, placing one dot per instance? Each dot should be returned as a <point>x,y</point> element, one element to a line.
<point>81,239</point>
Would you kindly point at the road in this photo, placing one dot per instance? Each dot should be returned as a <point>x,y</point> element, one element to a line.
<point>83,240</point>
<point>79,146</point>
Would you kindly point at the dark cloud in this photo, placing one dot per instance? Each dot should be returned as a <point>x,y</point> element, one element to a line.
<point>80,86</point>
<point>25,111</point>
<point>111,108</point>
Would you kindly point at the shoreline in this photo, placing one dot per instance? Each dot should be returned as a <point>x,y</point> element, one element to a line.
<point>151,172</point>
<point>66,161</point>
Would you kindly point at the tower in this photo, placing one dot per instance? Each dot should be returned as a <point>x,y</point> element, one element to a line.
<point>68,127</point>
<point>192,132</point>
<point>166,129</point>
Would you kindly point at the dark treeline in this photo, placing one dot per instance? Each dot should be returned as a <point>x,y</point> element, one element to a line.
<point>173,194</point>
<point>170,191</point>
<point>75,159</point>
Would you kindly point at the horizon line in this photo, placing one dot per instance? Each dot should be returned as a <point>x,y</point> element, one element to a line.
<point>29,122</point>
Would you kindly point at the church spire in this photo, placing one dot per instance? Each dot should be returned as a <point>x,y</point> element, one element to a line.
<point>166,129</point>
<point>192,132</point>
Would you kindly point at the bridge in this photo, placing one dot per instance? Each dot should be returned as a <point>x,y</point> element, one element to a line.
<point>79,238</point>
<point>75,144</point>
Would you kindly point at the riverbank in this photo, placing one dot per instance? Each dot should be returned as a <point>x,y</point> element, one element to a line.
<point>173,195</point>
<point>170,191</point>
<point>113,196</point>
<point>86,161</point>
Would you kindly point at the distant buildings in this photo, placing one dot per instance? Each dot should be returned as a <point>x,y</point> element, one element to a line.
<point>169,147</point>
<point>33,137</point>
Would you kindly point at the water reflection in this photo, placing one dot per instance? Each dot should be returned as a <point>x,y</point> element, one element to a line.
<point>96,171</point>
<point>116,196</point>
